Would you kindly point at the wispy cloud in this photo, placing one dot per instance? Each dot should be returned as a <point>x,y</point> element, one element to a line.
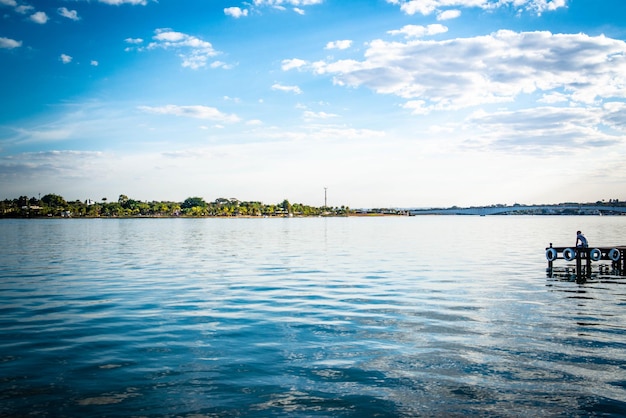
<point>70,14</point>
<point>554,97</point>
<point>296,3</point>
<point>48,166</point>
<point>290,64</point>
<point>18,8</point>
<point>136,42</point>
<point>65,59</point>
<point>297,6</point>
<point>289,89</point>
<point>343,44</point>
<point>448,14</point>
<point>42,134</point>
<point>427,7</point>
<point>222,65</point>
<point>24,9</point>
<point>197,112</point>
<point>545,128</point>
<point>418,31</point>
<point>194,51</point>
<point>308,114</point>
<point>119,2</point>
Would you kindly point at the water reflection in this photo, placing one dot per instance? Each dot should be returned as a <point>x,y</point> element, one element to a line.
<point>428,316</point>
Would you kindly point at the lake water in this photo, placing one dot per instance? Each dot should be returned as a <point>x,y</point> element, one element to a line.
<point>334,317</point>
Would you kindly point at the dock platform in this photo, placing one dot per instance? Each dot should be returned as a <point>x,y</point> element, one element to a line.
<point>587,262</point>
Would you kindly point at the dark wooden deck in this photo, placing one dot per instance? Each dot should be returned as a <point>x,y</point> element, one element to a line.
<point>587,262</point>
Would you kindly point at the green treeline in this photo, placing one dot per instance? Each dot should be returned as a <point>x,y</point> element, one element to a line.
<point>52,205</point>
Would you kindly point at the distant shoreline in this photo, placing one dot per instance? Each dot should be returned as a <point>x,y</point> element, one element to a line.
<point>56,206</point>
<point>352,215</point>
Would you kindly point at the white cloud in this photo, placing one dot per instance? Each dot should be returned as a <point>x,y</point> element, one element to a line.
<point>7,43</point>
<point>220,64</point>
<point>343,44</point>
<point>281,3</point>
<point>296,5</point>
<point>554,97</point>
<point>426,7</point>
<point>169,37</point>
<point>45,168</point>
<point>70,14</point>
<point>418,31</point>
<point>193,51</point>
<point>417,107</point>
<point>24,9</point>
<point>39,17</point>
<point>235,12</point>
<point>318,115</point>
<point>546,128</point>
<point>615,115</point>
<point>541,6</point>
<point>291,89</point>
<point>464,72</point>
<point>119,2</point>
<point>198,112</point>
<point>448,14</point>
<point>65,59</point>
<point>290,64</point>
<point>44,134</point>
<point>412,7</point>
<point>19,8</point>
<point>133,41</point>
<point>94,63</point>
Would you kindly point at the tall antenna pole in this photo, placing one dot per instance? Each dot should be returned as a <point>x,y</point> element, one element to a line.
<point>325,200</point>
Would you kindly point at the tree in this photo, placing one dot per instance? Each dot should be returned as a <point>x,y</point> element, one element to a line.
<point>122,200</point>
<point>222,201</point>
<point>286,206</point>
<point>93,210</point>
<point>192,202</point>
<point>54,201</point>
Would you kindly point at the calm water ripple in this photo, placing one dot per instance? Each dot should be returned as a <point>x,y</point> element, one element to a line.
<point>419,316</point>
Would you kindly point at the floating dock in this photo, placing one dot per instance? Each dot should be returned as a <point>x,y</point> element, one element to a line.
<point>587,262</point>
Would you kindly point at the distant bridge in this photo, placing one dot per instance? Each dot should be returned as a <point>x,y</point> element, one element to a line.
<point>498,210</point>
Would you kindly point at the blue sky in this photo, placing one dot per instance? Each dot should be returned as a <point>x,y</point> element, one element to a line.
<point>387,103</point>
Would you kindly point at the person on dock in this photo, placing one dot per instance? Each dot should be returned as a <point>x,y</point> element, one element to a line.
<point>581,241</point>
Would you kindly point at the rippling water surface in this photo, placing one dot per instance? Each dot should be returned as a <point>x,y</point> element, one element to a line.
<point>406,316</point>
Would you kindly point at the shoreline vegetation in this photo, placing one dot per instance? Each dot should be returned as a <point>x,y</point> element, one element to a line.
<point>52,205</point>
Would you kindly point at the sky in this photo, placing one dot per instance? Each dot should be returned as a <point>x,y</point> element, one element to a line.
<point>378,103</point>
